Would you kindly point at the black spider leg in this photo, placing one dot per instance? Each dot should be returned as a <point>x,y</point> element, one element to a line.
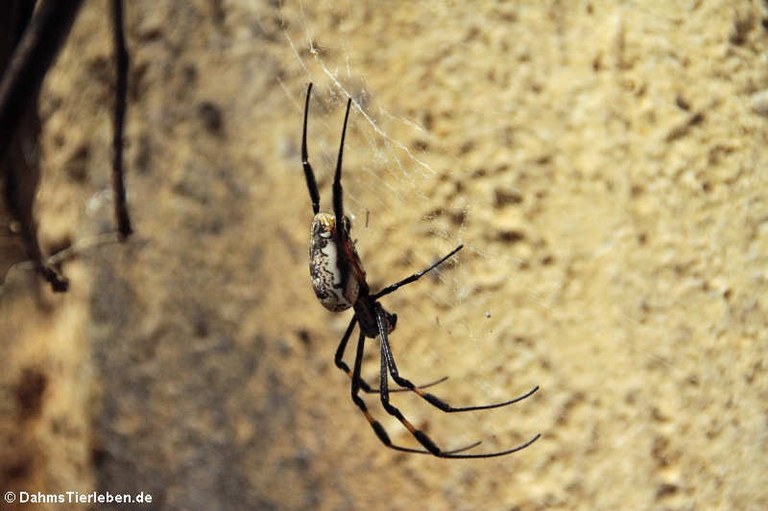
<point>436,401</point>
<point>309,174</point>
<point>341,233</point>
<point>121,92</point>
<point>338,192</point>
<point>416,276</point>
<point>376,425</point>
<point>364,386</point>
<point>403,382</point>
<point>387,361</point>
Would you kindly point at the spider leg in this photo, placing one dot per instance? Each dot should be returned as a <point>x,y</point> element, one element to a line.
<point>434,400</point>
<point>339,357</point>
<point>416,276</point>
<point>403,382</point>
<point>425,386</point>
<point>309,174</point>
<point>376,425</point>
<point>364,386</point>
<point>338,199</point>
<point>423,438</point>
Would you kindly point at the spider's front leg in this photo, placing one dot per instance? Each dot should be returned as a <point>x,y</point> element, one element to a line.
<point>355,392</point>
<point>338,359</point>
<point>387,362</point>
<point>433,399</point>
<point>376,425</point>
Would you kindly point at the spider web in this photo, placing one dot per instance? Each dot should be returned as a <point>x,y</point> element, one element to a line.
<point>384,178</point>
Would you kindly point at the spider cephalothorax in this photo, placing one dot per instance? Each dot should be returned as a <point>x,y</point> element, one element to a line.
<point>338,279</point>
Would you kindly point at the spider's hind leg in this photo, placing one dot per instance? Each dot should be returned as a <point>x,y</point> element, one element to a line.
<point>309,174</point>
<point>338,191</point>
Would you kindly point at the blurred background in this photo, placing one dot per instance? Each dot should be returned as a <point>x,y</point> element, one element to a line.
<point>603,163</point>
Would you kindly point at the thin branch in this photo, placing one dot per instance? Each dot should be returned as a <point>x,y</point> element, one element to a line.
<point>33,57</point>
<point>121,92</point>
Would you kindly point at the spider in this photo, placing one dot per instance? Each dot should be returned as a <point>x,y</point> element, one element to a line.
<point>338,279</point>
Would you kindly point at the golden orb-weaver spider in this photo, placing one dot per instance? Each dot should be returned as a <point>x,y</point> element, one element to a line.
<point>338,279</point>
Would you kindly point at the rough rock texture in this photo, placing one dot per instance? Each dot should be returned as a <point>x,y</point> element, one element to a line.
<point>604,164</point>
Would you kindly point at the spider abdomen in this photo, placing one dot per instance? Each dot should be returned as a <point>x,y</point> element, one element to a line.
<point>334,281</point>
